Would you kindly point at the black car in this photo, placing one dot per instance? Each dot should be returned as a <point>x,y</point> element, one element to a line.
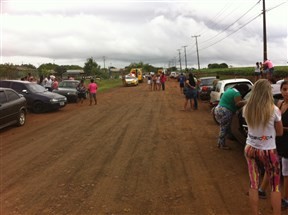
<point>239,128</point>
<point>67,88</point>
<point>38,98</point>
<point>12,108</point>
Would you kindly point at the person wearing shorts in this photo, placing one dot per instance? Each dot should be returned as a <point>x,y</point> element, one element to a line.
<point>149,81</point>
<point>282,141</point>
<point>182,80</point>
<point>269,68</point>
<point>81,91</point>
<point>92,88</point>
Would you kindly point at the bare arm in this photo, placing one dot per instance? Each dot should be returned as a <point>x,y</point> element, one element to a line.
<point>279,128</point>
<point>239,101</point>
<point>187,82</point>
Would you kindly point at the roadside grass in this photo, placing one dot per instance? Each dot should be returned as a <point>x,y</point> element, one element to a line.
<point>104,85</point>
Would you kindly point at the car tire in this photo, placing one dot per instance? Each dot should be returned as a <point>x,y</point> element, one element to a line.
<point>21,118</point>
<point>38,107</point>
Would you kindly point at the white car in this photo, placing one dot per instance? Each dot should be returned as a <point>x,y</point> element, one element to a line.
<point>223,85</point>
<point>131,80</point>
<point>173,75</point>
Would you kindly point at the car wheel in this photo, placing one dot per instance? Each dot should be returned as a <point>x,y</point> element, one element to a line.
<point>38,107</point>
<point>21,118</point>
<point>213,114</point>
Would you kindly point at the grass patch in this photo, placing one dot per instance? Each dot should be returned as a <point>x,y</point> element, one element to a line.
<point>105,85</point>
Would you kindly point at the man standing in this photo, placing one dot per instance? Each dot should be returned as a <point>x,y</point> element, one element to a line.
<point>182,80</point>
<point>163,80</point>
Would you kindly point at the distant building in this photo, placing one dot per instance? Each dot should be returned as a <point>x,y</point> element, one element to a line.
<point>116,72</point>
<point>75,73</point>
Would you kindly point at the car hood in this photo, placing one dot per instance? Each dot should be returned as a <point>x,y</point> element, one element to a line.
<point>51,95</point>
<point>66,89</point>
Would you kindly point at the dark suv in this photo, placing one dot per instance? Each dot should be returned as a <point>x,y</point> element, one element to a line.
<point>12,108</point>
<point>38,98</point>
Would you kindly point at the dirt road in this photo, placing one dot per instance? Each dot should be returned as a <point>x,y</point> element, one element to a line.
<point>135,152</point>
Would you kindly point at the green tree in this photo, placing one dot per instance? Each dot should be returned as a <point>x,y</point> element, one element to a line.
<point>91,68</point>
<point>60,70</point>
<point>46,69</point>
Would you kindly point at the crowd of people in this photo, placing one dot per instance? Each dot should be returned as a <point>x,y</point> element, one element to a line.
<point>264,70</point>
<point>156,82</point>
<point>50,82</point>
<point>266,144</point>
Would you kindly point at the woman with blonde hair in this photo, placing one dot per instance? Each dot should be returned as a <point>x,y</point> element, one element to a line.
<point>264,123</point>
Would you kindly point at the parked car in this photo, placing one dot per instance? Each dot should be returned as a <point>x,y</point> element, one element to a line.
<point>223,85</point>
<point>205,87</point>
<point>239,128</point>
<point>131,80</point>
<point>174,75</point>
<point>12,108</point>
<point>68,89</point>
<point>38,98</point>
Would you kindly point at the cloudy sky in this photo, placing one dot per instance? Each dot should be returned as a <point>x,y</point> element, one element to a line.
<point>117,33</point>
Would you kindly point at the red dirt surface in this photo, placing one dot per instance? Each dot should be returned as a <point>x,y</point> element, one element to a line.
<point>135,152</point>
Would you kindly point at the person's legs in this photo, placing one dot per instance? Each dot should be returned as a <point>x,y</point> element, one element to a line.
<point>250,155</point>
<point>195,100</point>
<point>272,166</point>
<point>223,116</point>
<point>90,98</point>
<point>263,186</point>
<point>95,99</point>
<point>191,103</point>
<point>185,104</point>
<point>285,181</point>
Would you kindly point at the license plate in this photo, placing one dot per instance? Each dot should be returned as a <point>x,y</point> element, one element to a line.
<point>62,103</point>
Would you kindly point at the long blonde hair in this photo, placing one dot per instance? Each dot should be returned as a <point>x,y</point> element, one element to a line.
<point>260,105</point>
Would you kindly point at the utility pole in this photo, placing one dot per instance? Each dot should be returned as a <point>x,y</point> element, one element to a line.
<point>185,57</point>
<point>180,59</point>
<point>197,51</point>
<point>264,33</point>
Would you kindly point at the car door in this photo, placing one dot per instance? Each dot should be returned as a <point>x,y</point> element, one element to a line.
<point>13,100</point>
<point>216,94</point>
<point>22,89</point>
<point>8,107</point>
<point>4,108</point>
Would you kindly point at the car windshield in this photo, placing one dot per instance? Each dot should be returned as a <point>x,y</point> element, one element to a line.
<point>207,82</point>
<point>129,78</point>
<point>68,84</point>
<point>36,88</point>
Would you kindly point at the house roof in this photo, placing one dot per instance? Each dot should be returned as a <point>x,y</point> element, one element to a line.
<point>75,71</point>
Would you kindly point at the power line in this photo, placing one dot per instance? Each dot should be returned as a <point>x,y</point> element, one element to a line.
<point>232,23</point>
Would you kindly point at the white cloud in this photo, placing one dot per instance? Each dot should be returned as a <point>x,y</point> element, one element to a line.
<point>69,32</point>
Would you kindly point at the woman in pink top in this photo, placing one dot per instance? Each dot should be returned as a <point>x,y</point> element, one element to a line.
<point>92,88</point>
<point>269,67</point>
